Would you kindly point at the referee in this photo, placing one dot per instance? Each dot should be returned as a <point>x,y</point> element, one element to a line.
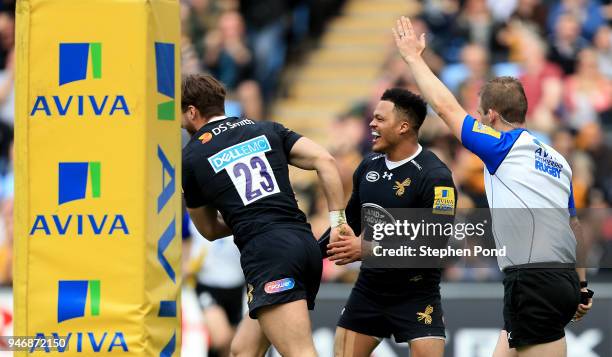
<point>542,285</point>
<point>393,301</point>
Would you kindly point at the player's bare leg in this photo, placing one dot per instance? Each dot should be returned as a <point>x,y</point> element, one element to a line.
<point>353,344</point>
<point>427,347</point>
<point>219,328</point>
<point>502,349</point>
<point>287,327</point>
<point>249,340</point>
<point>556,348</point>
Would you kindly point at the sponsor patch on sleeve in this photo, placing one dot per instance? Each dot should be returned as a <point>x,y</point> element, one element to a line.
<point>487,130</point>
<point>444,200</point>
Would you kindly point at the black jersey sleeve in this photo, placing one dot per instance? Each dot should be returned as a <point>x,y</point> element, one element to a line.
<point>437,191</point>
<point>288,137</point>
<point>353,207</point>
<point>191,190</point>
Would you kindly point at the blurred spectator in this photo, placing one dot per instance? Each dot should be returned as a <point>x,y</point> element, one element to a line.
<point>473,70</point>
<point>439,16</point>
<point>475,24</point>
<point>603,46</point>
<point>591,140</point>
<point>250,99</point>
<point>7,71</point>
<point>587,12</point>
<point>542,83</point>
<point>190,62</point>
<point>588,93</point>
<point>566,43</point>
<point>563,140</point>
<point>266,29</point>
<point>226,54</point>
<point>531,13</point>
<point>7,37</point>
<point>199,16</point>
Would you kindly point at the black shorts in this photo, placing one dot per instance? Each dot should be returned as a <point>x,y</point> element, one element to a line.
<point>281,266</point>
<point>538,304</point>
<point>406,317</point>
<point>229,299</point>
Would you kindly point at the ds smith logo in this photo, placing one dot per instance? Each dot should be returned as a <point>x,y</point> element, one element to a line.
<point>78,181</point>
<point>71,304</point>
<point>79,62</point>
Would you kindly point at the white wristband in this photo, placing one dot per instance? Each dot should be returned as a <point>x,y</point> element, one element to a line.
<point>337,218</point>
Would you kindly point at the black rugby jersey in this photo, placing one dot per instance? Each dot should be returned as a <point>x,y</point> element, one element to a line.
<point>239,166</point>
<point>423,182</point>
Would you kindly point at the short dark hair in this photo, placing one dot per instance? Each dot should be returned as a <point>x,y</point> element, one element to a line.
<point>407,103</point>
<point>205,93</point>
<point>506,96</point>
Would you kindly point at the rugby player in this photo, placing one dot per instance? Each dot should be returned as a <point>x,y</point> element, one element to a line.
<point>543,287</point>
<point>399,302</point>
<point>236,181</point>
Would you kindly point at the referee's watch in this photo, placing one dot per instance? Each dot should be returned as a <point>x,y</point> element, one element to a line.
<point>584,284</point>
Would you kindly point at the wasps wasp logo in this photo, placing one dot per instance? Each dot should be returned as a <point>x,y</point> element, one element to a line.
<point>426,315</point>
<point>401,187</point>
<point>249,293</point>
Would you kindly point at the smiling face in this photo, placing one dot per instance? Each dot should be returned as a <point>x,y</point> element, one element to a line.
<point>387,127</point>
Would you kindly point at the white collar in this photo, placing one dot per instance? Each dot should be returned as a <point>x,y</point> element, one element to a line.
<point>217,118</point>
<point>394,164</point>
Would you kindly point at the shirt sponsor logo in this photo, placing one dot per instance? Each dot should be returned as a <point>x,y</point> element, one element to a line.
<point>234,153</point>
<point>277,286</point>
<point>372,176</point>
<point>444,200</point>
<point>223,127</point>
<point>206,137</point>
<point>487,130</point>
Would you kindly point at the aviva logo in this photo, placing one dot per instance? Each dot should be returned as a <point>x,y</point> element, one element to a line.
<point>72,298</point>
<point>77,181</point>
<point>72,302</point>
<point>78,62</point>
<point>73,178</point>
<point>75,58</point>
<point>164,62</point>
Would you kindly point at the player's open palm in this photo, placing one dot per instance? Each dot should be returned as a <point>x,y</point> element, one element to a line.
<point>409,44</point>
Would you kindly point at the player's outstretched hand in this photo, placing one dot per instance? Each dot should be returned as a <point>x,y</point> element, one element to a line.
<point>583,309</point>
<point>346,250</point>
<point>409,45</point>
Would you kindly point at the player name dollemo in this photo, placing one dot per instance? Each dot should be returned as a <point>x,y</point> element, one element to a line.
<point>426,251</point>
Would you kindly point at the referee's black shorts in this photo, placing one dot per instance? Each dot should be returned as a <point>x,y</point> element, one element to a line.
<point>281,266</point>
<point>539,303</point>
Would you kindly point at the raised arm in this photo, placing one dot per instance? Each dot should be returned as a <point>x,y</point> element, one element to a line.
<point>432,89</point>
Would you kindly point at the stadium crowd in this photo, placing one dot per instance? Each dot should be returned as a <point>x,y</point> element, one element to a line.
<point>560,50</point>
